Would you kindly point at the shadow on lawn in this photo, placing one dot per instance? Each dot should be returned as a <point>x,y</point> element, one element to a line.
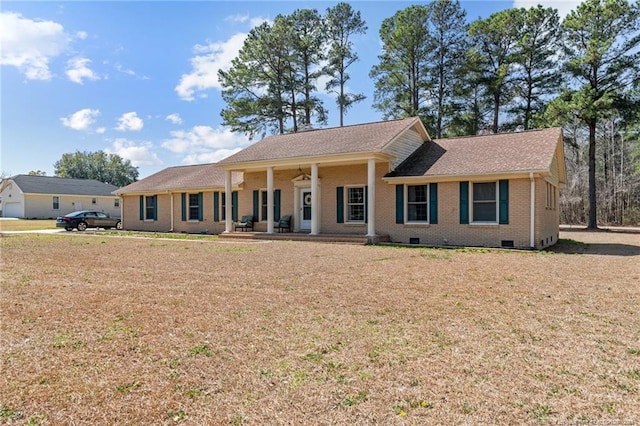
<point>610,249</point>
<point>597,241</point>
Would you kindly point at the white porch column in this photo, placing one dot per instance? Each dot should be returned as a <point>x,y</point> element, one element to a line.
<point>269,200</point>
<point>228,220</point>
<point>371,198</point>
<point>315,208</point>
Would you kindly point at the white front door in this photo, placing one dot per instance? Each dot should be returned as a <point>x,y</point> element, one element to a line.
<point>305,209</point>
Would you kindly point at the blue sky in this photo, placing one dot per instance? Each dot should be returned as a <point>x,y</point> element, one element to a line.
<point>139,79</point>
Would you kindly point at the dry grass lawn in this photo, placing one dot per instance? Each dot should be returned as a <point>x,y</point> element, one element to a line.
<point>98,329</point>
<point>26,224</point>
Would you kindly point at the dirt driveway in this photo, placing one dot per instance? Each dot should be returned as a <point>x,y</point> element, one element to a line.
<point>623,242</point>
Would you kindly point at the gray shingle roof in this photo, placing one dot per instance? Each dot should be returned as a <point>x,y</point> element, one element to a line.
<point>360,138</point>
<point>531,150</point>
<point>62,186</point>
<point>182,178</point>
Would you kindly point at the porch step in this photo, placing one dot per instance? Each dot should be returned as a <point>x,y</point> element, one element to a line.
<point>296,236</point>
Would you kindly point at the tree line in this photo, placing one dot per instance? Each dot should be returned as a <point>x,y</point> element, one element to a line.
<point>517,69</point>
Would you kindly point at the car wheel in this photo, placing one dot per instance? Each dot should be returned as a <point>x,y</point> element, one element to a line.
<point>68,228</point>
<point>82,226</point>
<point>119,225</point>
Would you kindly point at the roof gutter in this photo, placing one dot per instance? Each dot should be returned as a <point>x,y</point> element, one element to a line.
<point>471,177</point>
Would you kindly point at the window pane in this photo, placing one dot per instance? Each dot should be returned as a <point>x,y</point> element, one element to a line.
<point>194,208</point>
<point>356,212</point>
<point>417,193</point>
<point>484,212</point>
<point>417,213</point>
<point>223,216</point>
<point>356,195</point>
<point>151,205</point>
<point>264,205</point>
<point>484,191</point>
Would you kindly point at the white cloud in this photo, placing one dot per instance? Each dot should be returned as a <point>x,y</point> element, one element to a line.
<point>211,57</point>
<point>81,35</point>
<point>130,121</point>
<point>124,70</point>
<point>204,144</point>
<point>209,157</point>
<point>205,65</point>
<point>140,154</point>
<point>77,70</point>
<point>242,19</point>
<point>81,120</point>
<point>101,130</point>
<point>563,6</point>
<point>174,118</point>
<point>29,44</point>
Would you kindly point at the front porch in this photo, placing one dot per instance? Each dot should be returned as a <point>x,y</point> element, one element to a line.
<point>303,236</point>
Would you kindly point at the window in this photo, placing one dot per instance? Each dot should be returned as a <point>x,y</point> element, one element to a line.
<point>56,203</point>
<point>94,201</point>
<point>551,197</point>
<point>263,205</point>
<point>485,205</point>
<point>150,207</point>
<point>116,202</point>
<point>194,207</point>
<point>224,206</point>
<point>355,204</point>
<point>417,203</point>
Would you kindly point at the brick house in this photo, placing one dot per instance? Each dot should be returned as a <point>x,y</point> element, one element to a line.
<point>388,181</point>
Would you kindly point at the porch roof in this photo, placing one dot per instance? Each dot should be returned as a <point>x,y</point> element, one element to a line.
<point>517,152</point>
<point>355,139</point>
<point>182,178</point>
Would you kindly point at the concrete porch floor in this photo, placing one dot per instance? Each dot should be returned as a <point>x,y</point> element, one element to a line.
<point>302,236</point>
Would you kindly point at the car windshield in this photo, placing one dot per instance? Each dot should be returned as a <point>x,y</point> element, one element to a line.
<point>74,214</point>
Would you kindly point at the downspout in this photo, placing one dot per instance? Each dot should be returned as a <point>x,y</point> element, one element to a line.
<point>171,198</point>
<point>532,214</point>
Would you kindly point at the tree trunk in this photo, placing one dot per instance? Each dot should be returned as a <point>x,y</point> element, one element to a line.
<point>496,111</point>
<point>593,223</point>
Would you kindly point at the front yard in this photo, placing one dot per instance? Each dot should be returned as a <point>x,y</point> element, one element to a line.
<point>100,329</point>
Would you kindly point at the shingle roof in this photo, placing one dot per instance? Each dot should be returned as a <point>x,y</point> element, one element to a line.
<point>361,138</point>
<point>31,184</point>
<point>182,177</point>
<point>478,155</point>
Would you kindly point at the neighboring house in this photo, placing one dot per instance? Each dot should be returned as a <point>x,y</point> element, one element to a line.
<point>43,197</point>
<point>386,180</point>
<point>187,199</point>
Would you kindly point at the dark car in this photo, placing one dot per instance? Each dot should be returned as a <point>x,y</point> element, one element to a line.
<point>84,219</point>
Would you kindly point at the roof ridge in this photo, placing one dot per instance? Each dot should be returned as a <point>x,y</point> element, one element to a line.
<point>499,134</point>
<point>343,127</point>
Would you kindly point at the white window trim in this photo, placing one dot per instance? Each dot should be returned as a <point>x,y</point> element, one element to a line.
<point>346,204</point>
<point>145,207</point>
<point>406,205</point>
<point>472,203</point>
<point>263,205</point>
<point>223,207</point>
<point>53,202</point>
<point>189,194</point>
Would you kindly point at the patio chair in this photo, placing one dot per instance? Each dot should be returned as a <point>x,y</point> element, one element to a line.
<point>246,224</point>
<point>284,224</point>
